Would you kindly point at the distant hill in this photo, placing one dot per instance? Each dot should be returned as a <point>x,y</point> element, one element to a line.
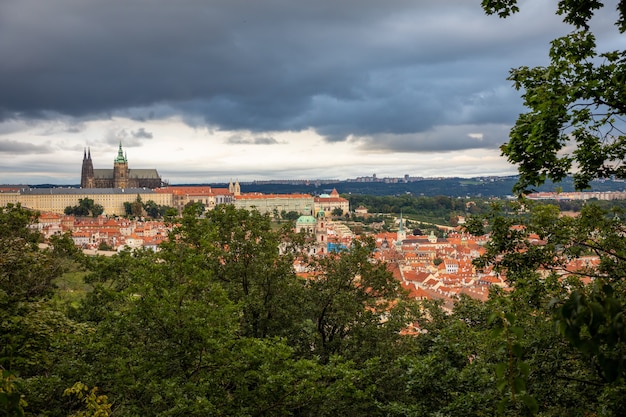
<point>450,187</point>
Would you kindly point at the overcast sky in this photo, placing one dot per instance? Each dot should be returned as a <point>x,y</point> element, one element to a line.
<point>212,90</point>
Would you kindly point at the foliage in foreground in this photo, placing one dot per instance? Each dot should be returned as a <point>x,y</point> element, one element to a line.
<point>577,102</point>
<point>217,323</point>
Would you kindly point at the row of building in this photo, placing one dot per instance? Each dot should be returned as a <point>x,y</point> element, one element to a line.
<point>578,195</point>
<point>55,200</point>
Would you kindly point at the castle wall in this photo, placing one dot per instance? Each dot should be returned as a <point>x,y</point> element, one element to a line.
<point>55,200</point>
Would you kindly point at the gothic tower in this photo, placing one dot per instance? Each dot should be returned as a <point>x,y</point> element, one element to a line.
<point>86,175</point>
<point>120,170</point>
<point>234,189</point>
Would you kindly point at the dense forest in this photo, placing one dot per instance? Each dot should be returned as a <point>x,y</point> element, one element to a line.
<point>218,323</point>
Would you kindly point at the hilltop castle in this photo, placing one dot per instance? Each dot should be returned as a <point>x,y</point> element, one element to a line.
<point>118,177</point>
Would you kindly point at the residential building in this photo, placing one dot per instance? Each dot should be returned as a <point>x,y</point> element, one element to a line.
<point>275,203</point>
<point>209,197</point>
<point>331,202</point>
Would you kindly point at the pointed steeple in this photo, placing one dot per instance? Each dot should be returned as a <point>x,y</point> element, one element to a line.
<point>121,159</point>
<point>86,176</point>
<point>401,235</point>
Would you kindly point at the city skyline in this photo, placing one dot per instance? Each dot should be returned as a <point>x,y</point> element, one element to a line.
<point>210,91</point>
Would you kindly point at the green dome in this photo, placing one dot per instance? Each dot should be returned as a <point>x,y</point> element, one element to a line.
<point>306,220</point>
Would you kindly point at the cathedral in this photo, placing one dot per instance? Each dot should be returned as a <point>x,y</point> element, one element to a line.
<point>118,177</point>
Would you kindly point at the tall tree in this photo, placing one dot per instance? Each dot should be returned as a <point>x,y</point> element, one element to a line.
<point>578,98</point>
<point>250,260</point>
<point>570,271</point>
<point>355,305</point>
<point>32,332</point>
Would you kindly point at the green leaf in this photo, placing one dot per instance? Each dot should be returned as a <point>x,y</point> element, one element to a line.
<point>523,368</point>
<point>519,384</point>
<point>500,370</point>
<point>530,402</point>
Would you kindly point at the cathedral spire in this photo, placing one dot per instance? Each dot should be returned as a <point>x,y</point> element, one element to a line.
<point>86,176</point>
<point>121,159</point>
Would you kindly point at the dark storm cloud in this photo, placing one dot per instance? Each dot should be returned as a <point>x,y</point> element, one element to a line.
<point>367,68</point>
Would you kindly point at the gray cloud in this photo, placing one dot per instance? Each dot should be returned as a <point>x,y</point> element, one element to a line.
<point>261,140</point>
<point>448,138</point>
<point>128,138</point>
<point>15,147</point>
<point>388,71</point>
<point>141,133</point>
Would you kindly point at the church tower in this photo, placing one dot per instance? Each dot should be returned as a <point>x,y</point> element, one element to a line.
<point>86,175</point>
<point>235,189</point>
<point>401,236</point>
<point>321,232</point>
<point>120,170</point>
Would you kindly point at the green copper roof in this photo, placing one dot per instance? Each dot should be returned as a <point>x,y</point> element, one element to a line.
<point>306,220</point>
<point>121,159</point>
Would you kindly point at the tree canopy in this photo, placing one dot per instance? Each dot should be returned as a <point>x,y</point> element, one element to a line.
<point>218,323</point>
<point>578,99</point>
<point>85,207</point>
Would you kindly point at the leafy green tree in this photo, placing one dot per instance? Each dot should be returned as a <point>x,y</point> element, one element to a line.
<point>96,405</point>
<point>33,334</point>
<point>548,259</point>
<point>499,357</point>
<point>105,246</point>
<point>355,304</point>
<point>243,252</point>
<point>578,97</point>
<point>154,210</point>
<point>170,342</point>
<point>136,207</point>
<point>337,212</point>
<point>212,324</point>
<point>218,323</point>
<point>85,207</point>
<point>26,271</point>
<point>97,210</point>
<point>128,208</point>
<point>291,215</point>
